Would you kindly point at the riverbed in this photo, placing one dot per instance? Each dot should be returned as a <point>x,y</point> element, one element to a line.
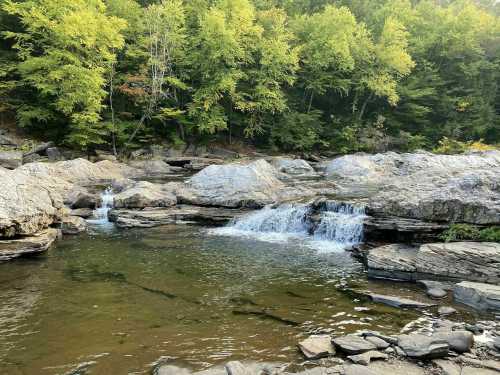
<point>121,299</point>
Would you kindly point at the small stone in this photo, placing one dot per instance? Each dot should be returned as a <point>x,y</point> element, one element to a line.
<point>315,347</point>
<point>446,310</point>
<point>437,293</point>
<point>365,358</point>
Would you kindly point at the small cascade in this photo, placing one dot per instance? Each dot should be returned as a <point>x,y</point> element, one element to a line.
<point>287,218</point>
<point>101,213</point>
<point>331,227</point>
<point>341,223</point>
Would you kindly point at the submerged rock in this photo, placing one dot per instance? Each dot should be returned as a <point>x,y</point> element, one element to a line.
<point>398,302</point>
<point>315,347</point>
<point>478,295</point>
<point>10,249</point>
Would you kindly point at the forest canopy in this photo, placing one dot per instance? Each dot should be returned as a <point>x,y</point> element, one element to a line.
<point>291,75</point>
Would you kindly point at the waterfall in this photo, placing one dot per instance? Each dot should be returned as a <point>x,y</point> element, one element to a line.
<point>101,213</point>
<point>339,225</point>
<point>342,223</point>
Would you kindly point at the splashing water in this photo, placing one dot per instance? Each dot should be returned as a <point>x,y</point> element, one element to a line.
<point>101,213</point>
<point>340,225</point>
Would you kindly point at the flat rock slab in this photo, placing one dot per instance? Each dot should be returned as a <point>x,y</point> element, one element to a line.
<point>315,347</point>
<point>10,249</point>
<point>480,296</point>
<point>398,302</point>
<point>458,341</point>
<point>352,344</point>
<point>396,368</point>
<point>423,347</point>
<point>473,261</point>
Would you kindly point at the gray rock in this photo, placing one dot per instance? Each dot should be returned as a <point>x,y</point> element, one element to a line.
<point>81,198</point>
<point>478,295</point>
<point>423,347</point>
<point>395,261</point>
<point>475,261</point>
<point>390,339</point>
<point>437,293</point>
<point>236,368</point>
<point>352,344</point>
<point>236,185</point>
<point>458,341</point>
<point>396,368</point>
<point>425,186</point>
<point>40,148</point>
<point>378,342</point>
<point>315,347</point>
<point>365,358</point>
<point>398,301</point>
<point>152,217</point>
<point>146,194</point>
<point>10,249</point>
<point>292,166</point>
<point>11,159</point>
<point>73,225</point>
<point>430,284</point>
<point>477,371</point>
<point>150,169</point>
<point>446,310</point>
<point>54,154</point>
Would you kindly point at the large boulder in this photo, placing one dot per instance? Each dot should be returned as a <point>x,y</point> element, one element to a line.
<point>28,204</point>
<point>234,185</point>
<point>450,188</point>
<point>73,225</point>
<point>480,296</point>
<point>11,159</point>
<point>146,194</point>
<point>474,261</point>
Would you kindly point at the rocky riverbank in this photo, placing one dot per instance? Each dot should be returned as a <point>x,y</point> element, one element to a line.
<point>409,199</point>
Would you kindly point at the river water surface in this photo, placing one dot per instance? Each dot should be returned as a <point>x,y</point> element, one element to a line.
<point>121,299</point>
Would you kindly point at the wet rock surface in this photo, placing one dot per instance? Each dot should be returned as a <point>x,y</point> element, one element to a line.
<point>480,296</point>
<point>315,347</point>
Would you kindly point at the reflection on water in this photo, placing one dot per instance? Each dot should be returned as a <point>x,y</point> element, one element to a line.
<point>116,302</point>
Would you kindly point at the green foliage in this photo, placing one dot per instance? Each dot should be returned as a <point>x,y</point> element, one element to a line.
<point>466,232</point>
<point>296,131</point>
<point>346,75</point>
<point>461,232</point>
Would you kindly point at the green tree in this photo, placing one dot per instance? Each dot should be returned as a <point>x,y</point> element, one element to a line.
<point>64,49</point>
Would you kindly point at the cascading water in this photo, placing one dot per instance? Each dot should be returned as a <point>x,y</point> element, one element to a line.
<point>101,213</point>
<point>340,225</point>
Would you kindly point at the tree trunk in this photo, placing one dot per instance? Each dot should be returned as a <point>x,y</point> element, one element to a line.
<point>363,107</point>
